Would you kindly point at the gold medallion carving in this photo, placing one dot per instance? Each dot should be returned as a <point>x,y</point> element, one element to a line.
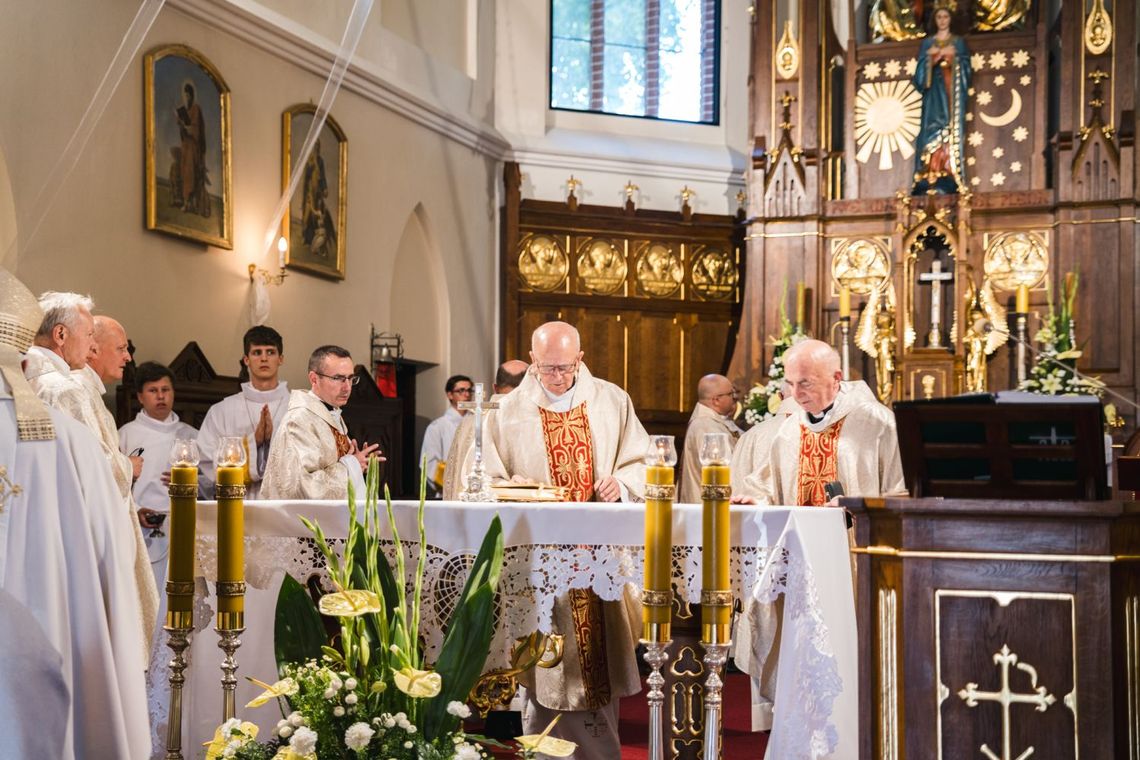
<point>659,271</point>
<point>861,264</point>
<point>887,118</point>
<point>1013,259</point>
<point>787,53</point>
<point>995,15</point>
<point>1098,29</point>
<point>715,275</point>
<point>543,263</point>
<point>601,266</point>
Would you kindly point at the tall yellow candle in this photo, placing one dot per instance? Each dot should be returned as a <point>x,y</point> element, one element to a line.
<point>1022,299</point>
<point>845,302</point>
<point>658,541</point>
<point>231,545</point>
<point>801,304</point>
<point>183,517</point>
<point>716,593</point>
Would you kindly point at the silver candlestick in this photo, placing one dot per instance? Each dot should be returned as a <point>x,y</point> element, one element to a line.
<point>178,627</point>
<point>478,488</point>
<point>715,657</point>
<point>1021,341</point>
<point>228,641</point>
<point>656,655</point>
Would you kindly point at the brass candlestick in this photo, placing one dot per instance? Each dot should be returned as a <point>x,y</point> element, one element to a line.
<point>178,626</point>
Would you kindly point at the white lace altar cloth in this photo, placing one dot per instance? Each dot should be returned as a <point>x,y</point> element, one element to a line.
<point>548,549</point>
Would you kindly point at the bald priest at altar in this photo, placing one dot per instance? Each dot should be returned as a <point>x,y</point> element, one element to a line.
<point>565,427</point>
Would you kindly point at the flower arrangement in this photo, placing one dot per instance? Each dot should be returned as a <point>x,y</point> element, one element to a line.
<point>764,399</point>
<point>1054,367</point>
<point>373,695</point>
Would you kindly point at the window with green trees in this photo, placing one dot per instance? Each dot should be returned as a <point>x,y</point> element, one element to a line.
<point>649,58</point>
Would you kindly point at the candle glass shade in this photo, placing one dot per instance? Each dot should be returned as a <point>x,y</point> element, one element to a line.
<point>657,605</point>
<point>231,452</point>
<point>716,594</point>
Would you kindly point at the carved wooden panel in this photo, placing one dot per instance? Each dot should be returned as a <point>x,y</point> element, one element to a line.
<point>655,295</point>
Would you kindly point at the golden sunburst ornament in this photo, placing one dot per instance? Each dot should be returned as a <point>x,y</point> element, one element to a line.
<point>887,117</point>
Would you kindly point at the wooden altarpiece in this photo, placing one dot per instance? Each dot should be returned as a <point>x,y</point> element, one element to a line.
<point>1048,160</point>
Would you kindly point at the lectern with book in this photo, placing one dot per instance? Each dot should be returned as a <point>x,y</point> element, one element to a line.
<point>999,604</point>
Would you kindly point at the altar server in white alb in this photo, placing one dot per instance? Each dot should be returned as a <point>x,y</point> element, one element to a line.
<point>254,414</point>
<point>312,456</point>
<point>441,432</point>
<point>66,561</point>
<point>566,427</point>
<point>842,433</point>
<point>150,435</point>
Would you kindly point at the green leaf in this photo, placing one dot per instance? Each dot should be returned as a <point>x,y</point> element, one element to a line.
<point>298,633</point>
<point>469,633</point>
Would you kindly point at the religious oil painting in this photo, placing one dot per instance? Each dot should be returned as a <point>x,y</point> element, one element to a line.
<point>188,189</point>
<point>318,209</point>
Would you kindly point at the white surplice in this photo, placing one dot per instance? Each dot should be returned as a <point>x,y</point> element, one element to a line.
<point>437,441</point>
<point>237,416</point>
<point>79,394</point>
<point>155,439</point>
<point>303,461</point>
<point>702,421</point>
<point>68,549</point>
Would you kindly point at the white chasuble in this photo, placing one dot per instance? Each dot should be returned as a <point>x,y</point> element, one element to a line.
<point>750,457</point>
<point>67,553</point>
<point>237,416</point>
<point>573,441</point>
<point>310,456</point>
<point>855,443</point>
<point>79,394</point>
<point>702,421</point>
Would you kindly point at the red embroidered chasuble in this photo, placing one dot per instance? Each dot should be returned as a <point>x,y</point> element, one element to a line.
<point>570,461</point>
<point>343,445</point>
<point>818,465</point>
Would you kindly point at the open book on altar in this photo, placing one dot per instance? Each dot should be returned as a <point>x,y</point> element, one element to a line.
<point>528,491</point>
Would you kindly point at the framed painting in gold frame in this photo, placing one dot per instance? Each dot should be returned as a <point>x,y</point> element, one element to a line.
<point>188,180</point>
<point>314,228</point>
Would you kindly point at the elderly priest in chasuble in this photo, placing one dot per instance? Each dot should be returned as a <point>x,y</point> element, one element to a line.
<point>565,427</point>
<point>716,402</point>
<point>312,456</point>
<point>67,558</point>
<point>842,433</point>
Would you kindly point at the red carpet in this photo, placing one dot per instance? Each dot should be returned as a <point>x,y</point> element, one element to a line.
<point>740,743</point>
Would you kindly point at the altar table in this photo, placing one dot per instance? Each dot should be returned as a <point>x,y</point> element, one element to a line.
<point>800,552</point>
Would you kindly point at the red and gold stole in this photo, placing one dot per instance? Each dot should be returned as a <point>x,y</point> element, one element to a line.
<point>819,464</point>
<point>570,459</point>
<point>343,445</point>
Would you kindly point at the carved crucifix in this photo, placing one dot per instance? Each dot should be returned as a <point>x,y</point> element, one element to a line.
<point>1040,698</point>
<point>935,277</point>
<point>478,489</point>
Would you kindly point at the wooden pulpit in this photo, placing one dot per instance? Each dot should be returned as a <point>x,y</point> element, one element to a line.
<point>996,627</point>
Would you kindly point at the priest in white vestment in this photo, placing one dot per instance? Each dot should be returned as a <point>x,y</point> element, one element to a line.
<point>716,401</point>
<point>842,434</point>
<point>441,432</point>
<point>312,456</point>
<point>253,415</point>
<point>752,451</point>
<point>460,457</point>
<point>63,538</point>
<point>56,368</point>
<point>565,427</point>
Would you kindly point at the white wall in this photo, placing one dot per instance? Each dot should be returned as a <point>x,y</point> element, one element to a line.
<point>411,126</point>
<point>606,152</point>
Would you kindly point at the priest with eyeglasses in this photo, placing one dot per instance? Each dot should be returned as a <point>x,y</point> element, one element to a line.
<point>563,426</point>
<point>312,456</point>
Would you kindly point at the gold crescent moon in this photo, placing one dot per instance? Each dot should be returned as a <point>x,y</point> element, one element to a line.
<point>1007,117</point>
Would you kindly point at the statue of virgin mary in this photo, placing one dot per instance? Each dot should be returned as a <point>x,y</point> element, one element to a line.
<point>943,78</point>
